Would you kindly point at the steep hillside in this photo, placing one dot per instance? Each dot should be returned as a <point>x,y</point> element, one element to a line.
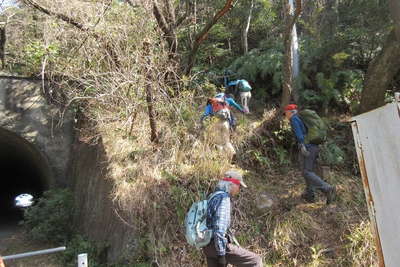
<point>155,184</point>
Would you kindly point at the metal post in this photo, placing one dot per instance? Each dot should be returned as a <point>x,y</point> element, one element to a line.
<point>33,253</point>
<point>82,260</point>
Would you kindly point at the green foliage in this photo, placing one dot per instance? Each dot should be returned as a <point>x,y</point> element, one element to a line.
<point>50,218</point>
<point>78,245</point>
<point>262,65</point>
<point>331,154</point>
<point>339,58</point>
<point>263,161</point>
<point>350,84</point>
<point>35,52</point>
<point>282,157</point>
<point>209,89</point>
<point>342,88</point>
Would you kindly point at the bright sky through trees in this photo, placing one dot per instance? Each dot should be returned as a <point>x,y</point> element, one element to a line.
<point>7,3</point>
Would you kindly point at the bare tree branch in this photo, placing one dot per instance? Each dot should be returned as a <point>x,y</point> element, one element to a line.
<point>63,17</point>
<point>201,36</point>
<point>161,21</point>
<point>109,48</point>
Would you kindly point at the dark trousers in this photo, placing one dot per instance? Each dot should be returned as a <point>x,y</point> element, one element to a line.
<point>308,165</point>
<point>235,255</point>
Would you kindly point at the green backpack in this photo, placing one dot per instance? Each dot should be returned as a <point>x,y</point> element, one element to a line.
<point>316,127</point>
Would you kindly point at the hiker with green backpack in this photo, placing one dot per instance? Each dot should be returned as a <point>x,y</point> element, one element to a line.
<point>208,226</point>
<point>310,131</point>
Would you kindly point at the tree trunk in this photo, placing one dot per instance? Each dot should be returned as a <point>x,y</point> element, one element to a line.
<point>167,25</point>
<point>394,6</point>
<point>149,95</point>
<point>380,74</point>
<point>2,46</point>
<point>294,44</point>
<point>246,29</point>
<point>287,86</point>
<point>201,36</point>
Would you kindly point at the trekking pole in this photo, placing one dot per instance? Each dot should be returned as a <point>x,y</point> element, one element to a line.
<point>33,253</point>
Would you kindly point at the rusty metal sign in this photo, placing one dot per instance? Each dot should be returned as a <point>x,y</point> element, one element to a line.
<point>377,140</point>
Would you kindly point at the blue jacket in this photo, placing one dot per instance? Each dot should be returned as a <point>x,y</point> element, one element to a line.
<point>231,102</point>
<point>219,220</point>
<point>298,127</point>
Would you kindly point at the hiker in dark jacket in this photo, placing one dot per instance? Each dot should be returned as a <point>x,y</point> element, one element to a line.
<point>221,249</point>
<point>307,158</point>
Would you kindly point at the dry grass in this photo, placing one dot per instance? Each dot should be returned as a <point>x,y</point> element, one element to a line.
<point>155,185</point>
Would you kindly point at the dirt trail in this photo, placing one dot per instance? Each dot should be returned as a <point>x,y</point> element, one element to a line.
<point>13,240</point>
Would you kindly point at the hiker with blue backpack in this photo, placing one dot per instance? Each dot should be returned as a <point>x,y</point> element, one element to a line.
<point>310,131</point>
<point>243,88</point>
<point>220,107</point>
<point>220,104</point>
<point>208,226</point>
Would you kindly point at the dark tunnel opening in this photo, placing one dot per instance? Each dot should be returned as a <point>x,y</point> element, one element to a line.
<point>24,170</point>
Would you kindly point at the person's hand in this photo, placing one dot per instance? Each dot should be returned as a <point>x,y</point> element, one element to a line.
<point>1,262</point>
<point>304,151</point>
<point>222,261</point>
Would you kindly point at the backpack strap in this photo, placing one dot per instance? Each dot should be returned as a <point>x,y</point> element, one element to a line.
<point>209,211</point>
<point>215,194</point>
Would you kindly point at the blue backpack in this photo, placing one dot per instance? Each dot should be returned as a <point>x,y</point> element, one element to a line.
<point>197,234</point>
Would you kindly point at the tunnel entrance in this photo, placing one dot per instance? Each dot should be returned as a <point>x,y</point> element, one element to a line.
<point>24,170</point>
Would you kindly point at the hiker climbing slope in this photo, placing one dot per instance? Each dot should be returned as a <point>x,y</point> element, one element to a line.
<point>219,132</point>
<point>244,89</point>
<point>310,131</point>
<point>216,104</point>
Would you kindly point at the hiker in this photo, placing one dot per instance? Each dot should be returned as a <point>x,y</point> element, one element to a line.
<point>307,157</point>
<point>222,97</point>
<point>220,133</point>
<point>222,250</point>
<point>244,89</point>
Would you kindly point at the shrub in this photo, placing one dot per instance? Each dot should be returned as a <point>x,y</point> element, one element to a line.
<point>78,245</point>
<point>50,218</point>
<point>331,154</point>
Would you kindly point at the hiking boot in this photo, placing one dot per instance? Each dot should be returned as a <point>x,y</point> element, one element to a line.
<point>330,195</point>
<point>308,198</point>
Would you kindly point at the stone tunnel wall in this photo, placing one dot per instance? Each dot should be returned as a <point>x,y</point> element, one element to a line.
<point>83,167</point>
<point>96,214</point>
<point>25,112</point>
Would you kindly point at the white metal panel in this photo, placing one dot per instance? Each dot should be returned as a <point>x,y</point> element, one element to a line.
<point>379,138</point>
<point>83,260</point>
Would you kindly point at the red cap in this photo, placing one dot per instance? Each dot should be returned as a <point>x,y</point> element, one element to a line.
<point>290,107</point>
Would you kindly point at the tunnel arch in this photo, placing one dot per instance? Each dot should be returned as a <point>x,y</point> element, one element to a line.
<point>24,170</point>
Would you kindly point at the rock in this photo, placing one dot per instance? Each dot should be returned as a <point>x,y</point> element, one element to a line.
<point>265,201</point>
